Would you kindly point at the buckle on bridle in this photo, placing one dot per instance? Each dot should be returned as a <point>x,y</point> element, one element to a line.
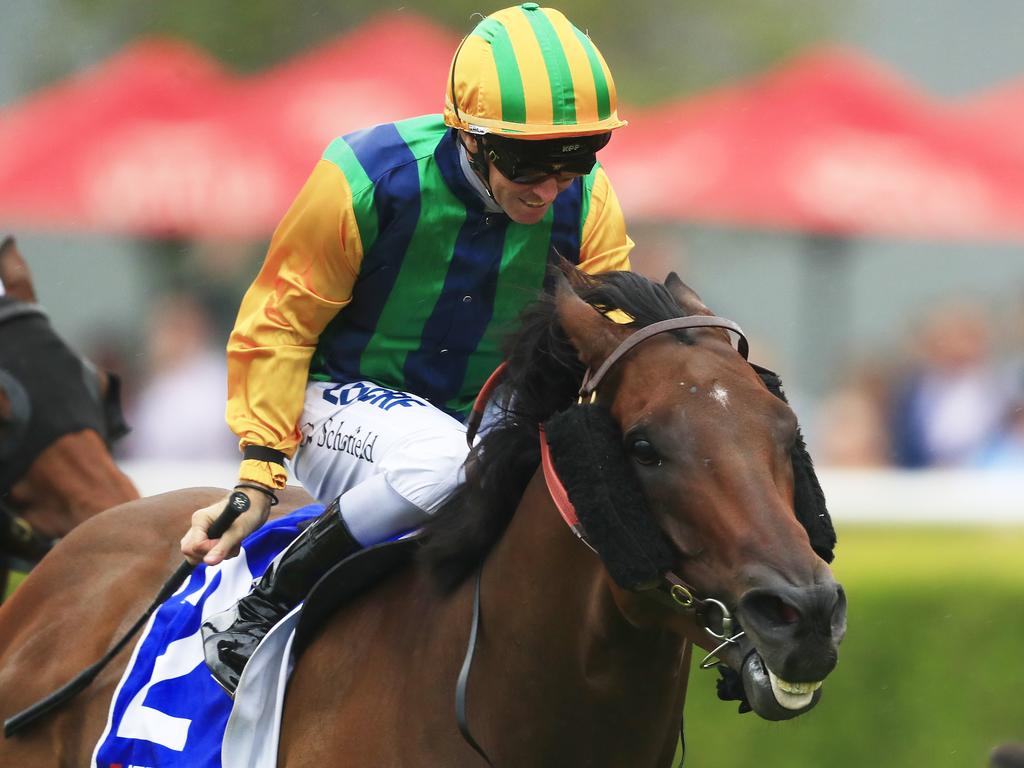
<point>681,595</point>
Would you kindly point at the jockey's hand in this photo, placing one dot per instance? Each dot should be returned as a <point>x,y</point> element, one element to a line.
<point>196,546</point>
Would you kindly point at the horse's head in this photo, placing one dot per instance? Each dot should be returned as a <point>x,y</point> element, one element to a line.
<point>49,398</point>
<point>711,450</point>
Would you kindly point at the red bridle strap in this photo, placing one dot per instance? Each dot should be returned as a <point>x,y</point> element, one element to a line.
<point>482,398</point>
<point>557,490</point>
<point>671,590</point>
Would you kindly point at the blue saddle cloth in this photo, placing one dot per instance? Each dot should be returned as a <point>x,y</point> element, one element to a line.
<point>167,711</point>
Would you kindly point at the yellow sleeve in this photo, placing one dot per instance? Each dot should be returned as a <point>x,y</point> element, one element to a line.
<point>604,245</point>
<point>307,277</point>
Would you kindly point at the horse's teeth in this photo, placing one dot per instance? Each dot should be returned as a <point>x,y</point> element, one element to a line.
<point>792,695</point>
<point>798,688</point>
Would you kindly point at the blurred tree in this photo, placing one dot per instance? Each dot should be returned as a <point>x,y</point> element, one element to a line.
<point>656,48</point>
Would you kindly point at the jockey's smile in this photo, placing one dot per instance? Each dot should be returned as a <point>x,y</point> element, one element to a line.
<point>526,203</point>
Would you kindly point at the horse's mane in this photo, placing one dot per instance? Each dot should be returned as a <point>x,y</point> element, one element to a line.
<point>543,377</point>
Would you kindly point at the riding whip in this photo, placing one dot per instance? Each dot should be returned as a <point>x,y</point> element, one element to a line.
<point>236,505</point>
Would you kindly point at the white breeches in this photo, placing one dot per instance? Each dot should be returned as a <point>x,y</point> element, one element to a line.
<point>392,457</point>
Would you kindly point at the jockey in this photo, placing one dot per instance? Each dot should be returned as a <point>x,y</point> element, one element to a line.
<point>379,310</point>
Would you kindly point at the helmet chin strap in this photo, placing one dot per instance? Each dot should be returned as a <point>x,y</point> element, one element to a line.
<point>478,162</point>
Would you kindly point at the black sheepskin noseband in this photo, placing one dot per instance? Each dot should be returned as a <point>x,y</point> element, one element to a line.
<point>808,498</point>
<point>587,452</point>
<point>588,455</point>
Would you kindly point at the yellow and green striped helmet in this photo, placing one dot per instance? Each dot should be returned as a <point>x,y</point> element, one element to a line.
<point>527,71</point>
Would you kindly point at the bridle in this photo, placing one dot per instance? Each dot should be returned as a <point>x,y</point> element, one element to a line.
<point>588,390</point>
<point>671,590</point>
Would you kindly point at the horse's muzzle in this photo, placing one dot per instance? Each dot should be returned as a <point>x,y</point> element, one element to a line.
<point>791,644</point>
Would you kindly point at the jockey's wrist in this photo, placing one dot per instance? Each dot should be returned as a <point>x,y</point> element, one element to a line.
<point>261,488</point>
<point>270,474</point>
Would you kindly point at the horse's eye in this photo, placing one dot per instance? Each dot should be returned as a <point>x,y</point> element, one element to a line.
<point>644,452</point>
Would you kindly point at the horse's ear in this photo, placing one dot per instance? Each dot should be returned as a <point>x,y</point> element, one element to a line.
<point>591,334</point>
<point>685,296</point>
<point>14,274</point>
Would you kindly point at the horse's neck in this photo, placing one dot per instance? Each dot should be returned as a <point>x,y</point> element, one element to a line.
<point>567,674</point>
<point>69,482</point>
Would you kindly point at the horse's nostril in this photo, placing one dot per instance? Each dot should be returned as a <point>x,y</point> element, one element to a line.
<point>788,613</point>
<point>839,610</point>
<point>772,609</point>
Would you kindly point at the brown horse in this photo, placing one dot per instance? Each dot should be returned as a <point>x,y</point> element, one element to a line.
<point>582,658</point>
<point>57,414</point>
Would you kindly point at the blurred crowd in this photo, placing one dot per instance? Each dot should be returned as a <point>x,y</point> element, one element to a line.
<point>948,393</point>
<point>174,367</point>
<point>177,411</point>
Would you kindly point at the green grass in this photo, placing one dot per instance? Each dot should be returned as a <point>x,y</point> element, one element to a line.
<point>13,581</point>
<point>931,672</point>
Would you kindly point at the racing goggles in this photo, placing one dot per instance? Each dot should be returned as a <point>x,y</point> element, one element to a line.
<point>524,161</point>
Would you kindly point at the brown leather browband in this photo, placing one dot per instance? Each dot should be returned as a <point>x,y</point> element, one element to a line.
<point>590,381</point>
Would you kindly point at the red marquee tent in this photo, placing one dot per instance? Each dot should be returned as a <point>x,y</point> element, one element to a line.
<point>392,67</point>
<point>999,114</point>
<point>830,143</point>
<point>157,141</point>
<point>54,145</point>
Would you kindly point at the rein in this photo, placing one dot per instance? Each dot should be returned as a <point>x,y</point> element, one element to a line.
<point>671,591</point>
<point>237,504</point>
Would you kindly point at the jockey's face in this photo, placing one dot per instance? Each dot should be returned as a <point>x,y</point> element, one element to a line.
<point>526,203</point>
<point>523,203</point>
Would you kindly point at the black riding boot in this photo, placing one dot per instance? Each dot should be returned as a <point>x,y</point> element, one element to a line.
<point>231,637</point>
